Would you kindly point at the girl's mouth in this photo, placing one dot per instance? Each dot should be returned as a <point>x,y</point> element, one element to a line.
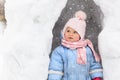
<point>70,37</point>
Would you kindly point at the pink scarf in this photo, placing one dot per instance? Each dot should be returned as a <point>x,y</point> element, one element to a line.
<point>80,46</point>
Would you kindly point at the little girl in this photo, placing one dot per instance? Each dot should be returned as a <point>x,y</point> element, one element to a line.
<point>75,58</point>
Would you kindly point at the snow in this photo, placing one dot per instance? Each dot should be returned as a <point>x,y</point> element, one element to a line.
<point>26,43</point>
<point>2,28</point>
<point>109,40</point>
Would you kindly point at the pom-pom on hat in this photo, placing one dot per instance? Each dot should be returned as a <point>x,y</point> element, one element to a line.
<point>77,23</point>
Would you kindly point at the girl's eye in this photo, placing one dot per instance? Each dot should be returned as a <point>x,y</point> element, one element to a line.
<point>68,30</point>
<point>75,32</point>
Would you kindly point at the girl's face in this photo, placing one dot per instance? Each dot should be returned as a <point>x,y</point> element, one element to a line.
<point>71,35</point>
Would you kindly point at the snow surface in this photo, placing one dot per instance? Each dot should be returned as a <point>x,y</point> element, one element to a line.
<point>109,38</point>
<point>26,43</point>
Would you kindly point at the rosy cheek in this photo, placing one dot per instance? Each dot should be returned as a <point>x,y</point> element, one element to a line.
<point>79,37</point>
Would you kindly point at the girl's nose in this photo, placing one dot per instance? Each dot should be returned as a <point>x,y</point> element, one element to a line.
<point>70,33</point>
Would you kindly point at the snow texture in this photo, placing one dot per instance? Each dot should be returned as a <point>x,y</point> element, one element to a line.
<point>109,40</point>
<point>26,43</point>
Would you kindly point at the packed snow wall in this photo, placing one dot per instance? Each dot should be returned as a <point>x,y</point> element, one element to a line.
<point>109,42</point>
<point>26,43</point>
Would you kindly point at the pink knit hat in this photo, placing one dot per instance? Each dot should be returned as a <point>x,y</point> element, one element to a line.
<point>77,23</point>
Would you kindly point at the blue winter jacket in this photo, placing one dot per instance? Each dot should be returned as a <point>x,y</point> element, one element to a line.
<point>63,65</point>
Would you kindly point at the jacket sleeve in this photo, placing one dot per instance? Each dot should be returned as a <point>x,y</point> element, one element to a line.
<point>55,66</point>
<point>95,67</point>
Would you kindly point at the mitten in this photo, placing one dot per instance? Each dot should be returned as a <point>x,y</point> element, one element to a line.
<point>97,78</point>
